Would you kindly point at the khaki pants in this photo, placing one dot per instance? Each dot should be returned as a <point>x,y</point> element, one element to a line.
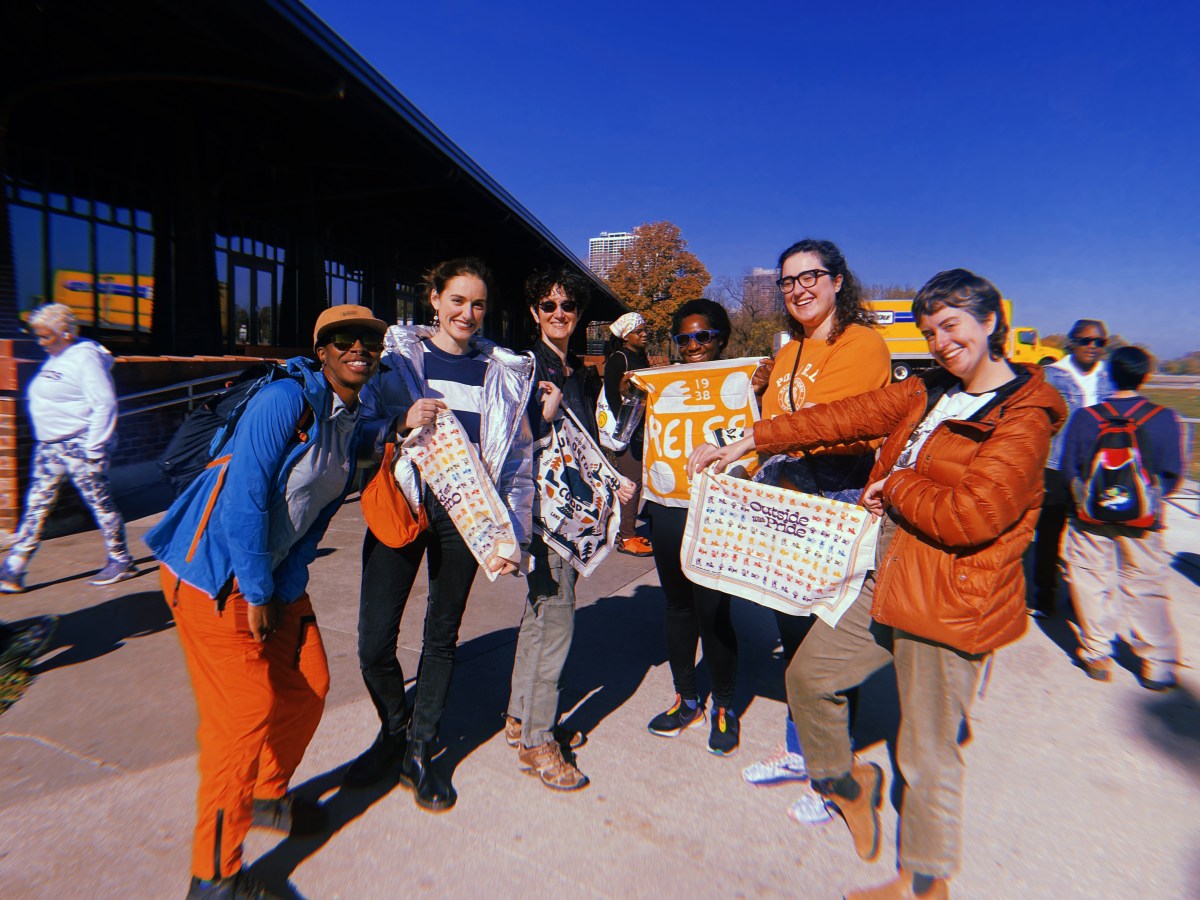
<point>936,684</point>
<point>1119,586</point>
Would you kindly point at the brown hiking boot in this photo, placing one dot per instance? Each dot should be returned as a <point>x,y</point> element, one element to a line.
<point>862,813</point>
<point>901,889</point>
<point>1096,668</point>
<point>572,740</point>
<point>549,764</point>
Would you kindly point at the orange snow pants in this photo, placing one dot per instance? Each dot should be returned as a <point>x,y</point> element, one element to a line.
<point>259,706</point>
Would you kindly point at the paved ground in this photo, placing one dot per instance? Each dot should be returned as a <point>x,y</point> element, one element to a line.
<point>1075,789</point>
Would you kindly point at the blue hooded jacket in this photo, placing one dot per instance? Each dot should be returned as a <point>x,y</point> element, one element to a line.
<point>217,529</point>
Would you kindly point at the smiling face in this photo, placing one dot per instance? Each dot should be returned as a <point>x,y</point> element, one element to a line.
<point>460,308</point>
<point>53,342</point>
<point>694,351</point>
<point>811,308</point>
<point>958,341</point>
<point>558,325</point>
<point>348,371</point>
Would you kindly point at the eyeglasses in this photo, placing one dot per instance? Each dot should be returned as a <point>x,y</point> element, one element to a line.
<point>549,306</point>
<point>344,340</point>
<point>703,337</point>
<point>1091,342</point>
<point>808,279</point>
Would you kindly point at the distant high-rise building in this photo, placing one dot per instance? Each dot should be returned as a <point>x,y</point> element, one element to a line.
<point>760,292</point>
<point>604,251</point>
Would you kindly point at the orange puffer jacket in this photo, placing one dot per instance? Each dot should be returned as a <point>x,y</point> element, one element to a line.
<point>966,509</point>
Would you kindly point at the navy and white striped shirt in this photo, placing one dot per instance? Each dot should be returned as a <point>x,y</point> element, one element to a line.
<point>458,381</point>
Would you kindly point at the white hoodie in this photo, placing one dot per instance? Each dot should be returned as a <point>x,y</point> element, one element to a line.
<point>72,395</point>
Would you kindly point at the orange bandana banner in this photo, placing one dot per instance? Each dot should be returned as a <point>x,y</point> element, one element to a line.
<point>683,404</point>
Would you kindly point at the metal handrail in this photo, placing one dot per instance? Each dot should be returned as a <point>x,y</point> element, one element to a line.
<point>190,397</point>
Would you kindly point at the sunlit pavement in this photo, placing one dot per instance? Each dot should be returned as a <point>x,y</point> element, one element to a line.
<point>1074,788</point>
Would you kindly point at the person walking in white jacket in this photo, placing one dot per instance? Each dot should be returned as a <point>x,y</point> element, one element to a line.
<point>73,408</point>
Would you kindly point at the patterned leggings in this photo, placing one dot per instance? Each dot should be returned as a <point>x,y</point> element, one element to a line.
<point>51,463</point>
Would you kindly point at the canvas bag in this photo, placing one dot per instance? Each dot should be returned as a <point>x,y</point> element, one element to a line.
<point>606,421</point>
<point>1118,489</point>
<point>386,509</point>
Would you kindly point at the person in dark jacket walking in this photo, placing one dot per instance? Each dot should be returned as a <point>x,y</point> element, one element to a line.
<point>627,352</point>
<point>1119,573</point>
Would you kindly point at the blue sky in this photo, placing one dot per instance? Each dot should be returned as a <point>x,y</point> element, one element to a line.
<point>1052,147</point>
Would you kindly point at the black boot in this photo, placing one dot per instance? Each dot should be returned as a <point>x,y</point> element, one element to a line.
<point>377,760</point>
<point>418,773</point>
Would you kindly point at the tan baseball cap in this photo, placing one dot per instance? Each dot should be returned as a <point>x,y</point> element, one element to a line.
<point>347,314</point>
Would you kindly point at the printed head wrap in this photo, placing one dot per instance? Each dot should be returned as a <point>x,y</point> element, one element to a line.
<point>627,323</point>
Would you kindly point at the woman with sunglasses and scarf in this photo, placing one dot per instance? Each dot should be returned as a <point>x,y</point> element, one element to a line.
<point>429,368</point>
<point>557,298</point>
<point>834,353</point>
<point>695,614</point>
<point>235,548</point>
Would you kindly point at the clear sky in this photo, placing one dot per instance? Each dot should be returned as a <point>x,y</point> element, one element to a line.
<point>1052,147</point>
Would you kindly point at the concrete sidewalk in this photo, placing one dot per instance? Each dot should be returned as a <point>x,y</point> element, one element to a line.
<point>1075,789</point>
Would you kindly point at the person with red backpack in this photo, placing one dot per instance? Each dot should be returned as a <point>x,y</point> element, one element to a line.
<point>1121,457</point>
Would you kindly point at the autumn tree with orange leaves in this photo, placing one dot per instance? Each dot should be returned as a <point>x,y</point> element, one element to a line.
<point>658,274</point>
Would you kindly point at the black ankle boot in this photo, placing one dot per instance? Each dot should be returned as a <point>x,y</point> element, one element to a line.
<point>418,773</point>
<point>376,761</point>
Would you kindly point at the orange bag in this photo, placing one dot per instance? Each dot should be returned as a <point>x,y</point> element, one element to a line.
<point>388,514</point>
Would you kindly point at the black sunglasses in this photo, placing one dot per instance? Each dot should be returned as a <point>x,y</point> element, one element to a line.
<point>344,340</point>
<point>1091,342</point>
<point>549,306</point>
<point>704,337</point>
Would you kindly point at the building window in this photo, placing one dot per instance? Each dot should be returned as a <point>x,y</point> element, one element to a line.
<point>90,249</point>
<point>250,285</point>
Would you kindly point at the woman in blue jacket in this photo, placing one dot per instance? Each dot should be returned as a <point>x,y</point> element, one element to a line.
<point>235,550</point>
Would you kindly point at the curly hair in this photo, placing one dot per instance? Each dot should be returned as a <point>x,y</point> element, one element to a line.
<point>539,285</point>
<point>963,289</point>
<point>435,280</point>
<point>849,306</point>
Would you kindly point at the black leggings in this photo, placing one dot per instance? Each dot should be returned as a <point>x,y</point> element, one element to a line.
<point>694,614</point>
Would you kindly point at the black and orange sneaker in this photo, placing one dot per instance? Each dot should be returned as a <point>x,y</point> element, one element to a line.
<point>677,718</point>
<point>723,738</point>
<point>635,546</point>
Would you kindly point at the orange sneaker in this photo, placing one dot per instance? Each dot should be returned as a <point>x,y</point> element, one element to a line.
<point>635,546</point>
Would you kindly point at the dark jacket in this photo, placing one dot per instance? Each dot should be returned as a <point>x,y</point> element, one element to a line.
<point>580,389</point>
<point>615,367</point>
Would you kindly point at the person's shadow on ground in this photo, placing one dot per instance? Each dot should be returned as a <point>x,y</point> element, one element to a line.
<point>98,630</point>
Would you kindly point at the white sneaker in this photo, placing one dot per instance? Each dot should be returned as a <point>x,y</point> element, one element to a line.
<point>777,768</point>
<point>810,809</point>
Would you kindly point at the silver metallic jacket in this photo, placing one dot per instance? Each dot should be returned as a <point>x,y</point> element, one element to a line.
<point>505,439</point>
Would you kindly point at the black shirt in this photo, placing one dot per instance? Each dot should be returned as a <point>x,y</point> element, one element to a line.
<point>579,390</point>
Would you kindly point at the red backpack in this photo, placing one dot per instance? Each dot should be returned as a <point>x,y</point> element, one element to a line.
<point>1118,488</point>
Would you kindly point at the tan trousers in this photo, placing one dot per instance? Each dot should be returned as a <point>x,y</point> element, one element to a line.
<point>1119,586</point>
<point>936,685</point>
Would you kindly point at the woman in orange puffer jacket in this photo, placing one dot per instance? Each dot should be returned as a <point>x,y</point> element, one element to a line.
<point>957,486</point>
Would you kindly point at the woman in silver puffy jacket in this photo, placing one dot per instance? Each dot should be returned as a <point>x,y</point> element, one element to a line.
<point>487,387</point>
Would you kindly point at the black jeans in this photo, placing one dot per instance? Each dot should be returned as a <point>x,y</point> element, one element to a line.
<point>694,614</point>
<point>1057,505</point>
<point>388,576</point>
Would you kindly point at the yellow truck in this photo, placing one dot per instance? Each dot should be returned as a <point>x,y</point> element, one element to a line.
<point>910,353</point>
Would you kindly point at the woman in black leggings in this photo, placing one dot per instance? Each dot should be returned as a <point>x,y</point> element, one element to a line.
<point>695,614</point>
